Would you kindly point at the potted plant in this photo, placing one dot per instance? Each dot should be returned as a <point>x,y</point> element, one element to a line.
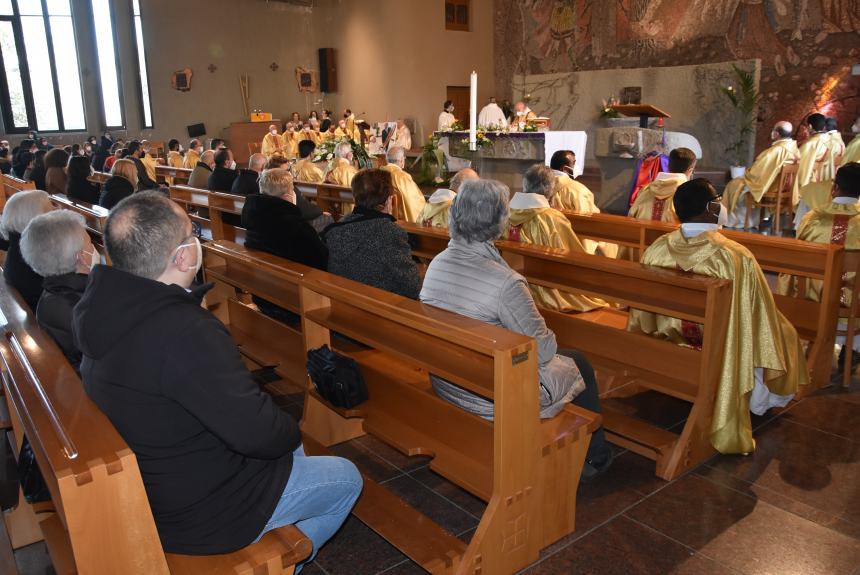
<point>744,100</point>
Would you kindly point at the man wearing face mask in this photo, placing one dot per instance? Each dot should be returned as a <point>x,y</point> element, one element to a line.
<point>446,116</point>
<point>221,463</point>
<point>273,143</point>
<point>57,246</point>
<point>570,194</point>
<point>192,156</point>
<point>852,150</point>
<point>763,363</point>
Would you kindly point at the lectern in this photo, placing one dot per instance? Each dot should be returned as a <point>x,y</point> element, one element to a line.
<point>644,111</point>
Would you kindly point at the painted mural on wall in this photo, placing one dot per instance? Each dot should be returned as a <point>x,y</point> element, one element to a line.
<point>807,47</point>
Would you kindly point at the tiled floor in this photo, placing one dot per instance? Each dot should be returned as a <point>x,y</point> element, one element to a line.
<point>793,507</point>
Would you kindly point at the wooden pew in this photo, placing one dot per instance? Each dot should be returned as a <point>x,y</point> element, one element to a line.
<point>208,209</point>
<point>815,321</point>
<point>94,216</point>
<point>171,175</point>
<point>602,336</point>
<point>330,198</point>
<point>527,469</point>
<point>12,185</point>
<point>102,521</point>
<point>99,177</point>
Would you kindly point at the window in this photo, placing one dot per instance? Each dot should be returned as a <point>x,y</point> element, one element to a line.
<point>40,82</point>
<point>457,15</point>
<point>145,102</point>
<point>111,92</point>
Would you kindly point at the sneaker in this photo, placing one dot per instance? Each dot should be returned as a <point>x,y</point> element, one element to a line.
<point>596,467</point>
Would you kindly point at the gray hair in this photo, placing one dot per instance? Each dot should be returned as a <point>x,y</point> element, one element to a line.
<point>21,208</point>
<point>479,212</point>
<point>462,177</point>
<point>276,182</point>
<point>783,128</point>
<point>256,162</point>
<point>539,179</point>
<point>51,242</point>
<point>343,149</point>
<point>395,154</point>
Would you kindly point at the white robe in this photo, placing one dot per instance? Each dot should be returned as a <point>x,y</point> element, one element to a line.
<point>492,115</point>
<point>445,121</point>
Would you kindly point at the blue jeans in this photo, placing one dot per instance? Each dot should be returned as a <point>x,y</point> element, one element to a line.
<point>317,499</point>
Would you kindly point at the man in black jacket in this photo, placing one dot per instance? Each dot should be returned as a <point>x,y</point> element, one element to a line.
<point>246,183</point>
<point>221,178</point>
<point>220,462</point>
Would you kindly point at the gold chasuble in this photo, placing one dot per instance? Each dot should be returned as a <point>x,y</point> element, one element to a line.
<point>572,195</point>
<point>836,145</point>
<point>762,174</point>
<point>816,164</point>
<point>533,221</point>
<point>654,201</point>
<point>341,172</point>
<point>852,151</point>
<point>307,171</point>
<point>174,159</point>
<point>435,212</point>
<point>758,336</point>
<point>291,144</point>
<point>411,199</point>
<point>272,144</point>
<point>191,159</point>
<point>149,163</point>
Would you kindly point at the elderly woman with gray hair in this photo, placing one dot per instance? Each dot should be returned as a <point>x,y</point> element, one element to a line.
<point>58,247</point>
<point>19,210</point>
<point>471,278</point>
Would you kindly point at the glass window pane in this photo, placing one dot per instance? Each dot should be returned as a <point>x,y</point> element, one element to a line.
<point>68,75</point>
<point>30,7</point>
<point>39,65</point>
<point>59,8</point>
<point>6,7</point>
<point>144,80</point>
<point>107,62</point>
<point>13,75</point>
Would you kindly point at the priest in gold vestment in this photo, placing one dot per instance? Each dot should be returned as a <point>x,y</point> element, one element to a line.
<point>532,220</point>
<point>273,143</point>
<point>305,170</point>
<point>174,156</point>
<point>763,361</point>
<point>435,212</point>
<point>192,156</point>
<point>762,174</point>
<point>835,143</point>
<point>341,171</point>
<point>852,150</point>
<point>570,194</point>
<point>816,169</point>
<point>410,200</point>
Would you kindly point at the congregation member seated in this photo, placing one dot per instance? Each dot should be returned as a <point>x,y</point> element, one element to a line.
<point>837,222</point>
<point>471,278</point>
<point>221,463</point>
<point>117,152</point>
<point>273,142</point>
<point>5,160</point>
<point>761,175</point>
<point>22,157</point>
<point>435,212</point>
<point>763,363</point>
<point>367,245</point>
<point>57,246</point>
<point>570,194</point>
<point>192,156</point>
<point>148,161</point>
<point>174,154</point>
<point>121,184</point>
<point>19,210</point>
<point>311,212</point>
<point>852,150</point>
<point>24,164</point>
<point>341,170</point>
<point>199,177</point>
<point>654,201</point>
<point>411,199</point>
<point>533,220</point>
<point>246,181</point>
<point>37,171</point>
<point>103,151</point>
<point>222,176</point>
<point>55,171</point>
<point>305,170</point>
<point>78,186</point>
<point>815,164</point>
<point>134,153</point>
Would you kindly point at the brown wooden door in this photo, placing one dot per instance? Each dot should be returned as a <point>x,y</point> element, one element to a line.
<point>460,96</point>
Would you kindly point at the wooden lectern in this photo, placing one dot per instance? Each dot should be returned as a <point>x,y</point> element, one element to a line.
<point>644,111</point>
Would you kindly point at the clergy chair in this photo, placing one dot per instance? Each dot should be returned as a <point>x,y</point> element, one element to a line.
<point>849,310</point>
<point>777,198</point>
<point>254,148</point>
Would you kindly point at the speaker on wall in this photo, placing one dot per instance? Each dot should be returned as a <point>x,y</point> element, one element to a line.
<point>196,130</point>
<point>328,70</point>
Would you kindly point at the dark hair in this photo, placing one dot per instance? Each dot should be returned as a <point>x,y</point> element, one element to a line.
<point>132,147</point>
<point>691,198</point>
<point>173,144</point>
<point>446,104</point>
<point>371,188</point>
<point>559,159</point>
<point>831,124</point>
<point>817,121</point>
<point>142,231</point>
<point>681,160</point>
<point>216,143</point>
<point>39,159</point>
<point>783,133</point>
<point>77,171</point>
<point>221,158</point>
<point>56,158</point>
<point>306,148</point>
<point>848,179</point>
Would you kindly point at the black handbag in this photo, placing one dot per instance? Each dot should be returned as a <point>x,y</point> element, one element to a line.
<point>337,378</point>
<point>32,483</point>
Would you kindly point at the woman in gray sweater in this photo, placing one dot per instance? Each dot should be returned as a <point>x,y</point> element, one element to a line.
<point>471,278</point>
<point>367,245</point>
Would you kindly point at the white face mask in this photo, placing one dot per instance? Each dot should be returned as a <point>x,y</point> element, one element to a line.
<point>233,165</point>
<point>856,128</point>
<point>199,249</point>
<point>95,258</point>
<point>199,149</point>
<point>723,218</point>
<point>274,132</point>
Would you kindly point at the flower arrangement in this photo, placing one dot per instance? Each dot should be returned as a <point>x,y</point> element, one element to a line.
<point>325,152</point>
<point>745,101</point>
<point>434,168</point>
<point>607,111</point>
<point>530,127</point>
<point>456,126</point>
<point>481,140</point>
<point>497,128</point>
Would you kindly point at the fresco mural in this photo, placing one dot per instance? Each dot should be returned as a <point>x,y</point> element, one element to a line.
<point>807,47</point>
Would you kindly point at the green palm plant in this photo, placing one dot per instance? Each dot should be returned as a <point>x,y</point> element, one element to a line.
<point>745,100</point>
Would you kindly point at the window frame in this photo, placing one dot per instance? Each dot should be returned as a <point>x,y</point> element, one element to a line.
<point>98,71</point>
<point>454,26</point>
<point>26,82</point>
<point>137,58</point>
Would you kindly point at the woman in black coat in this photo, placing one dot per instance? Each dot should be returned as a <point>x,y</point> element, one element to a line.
<point>120,185</point>
<point>102,152</point>
<point>367,245</point>
<point>78,187</point>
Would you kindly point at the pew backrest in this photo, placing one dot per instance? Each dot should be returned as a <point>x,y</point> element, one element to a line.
<point>13,185</point>
<point>329,197</point>
<point>177,176</point>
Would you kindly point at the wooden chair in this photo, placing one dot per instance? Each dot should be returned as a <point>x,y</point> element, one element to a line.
<point>525,467</point>
<point>13,185</point>
<point>780,196</point>
<point>849,311</point>
<point>101,521</point>
<point>254,148</point>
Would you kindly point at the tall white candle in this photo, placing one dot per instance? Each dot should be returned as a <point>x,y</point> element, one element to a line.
<point>473,111</point>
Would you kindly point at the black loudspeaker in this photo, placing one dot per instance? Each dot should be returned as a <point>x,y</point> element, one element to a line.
<point>196,130</point>
<point>328,70</point>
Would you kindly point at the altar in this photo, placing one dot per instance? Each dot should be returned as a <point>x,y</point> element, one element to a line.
<point>510,154</point>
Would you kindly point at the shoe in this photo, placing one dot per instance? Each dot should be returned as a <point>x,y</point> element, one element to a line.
<point>855,359</point>
<point>596,467</point>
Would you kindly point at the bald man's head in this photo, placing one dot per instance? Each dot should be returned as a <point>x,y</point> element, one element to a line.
<point>257,162</point>
<point>782,130</point>
<point>463,175</point>
<point>208,158</point>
